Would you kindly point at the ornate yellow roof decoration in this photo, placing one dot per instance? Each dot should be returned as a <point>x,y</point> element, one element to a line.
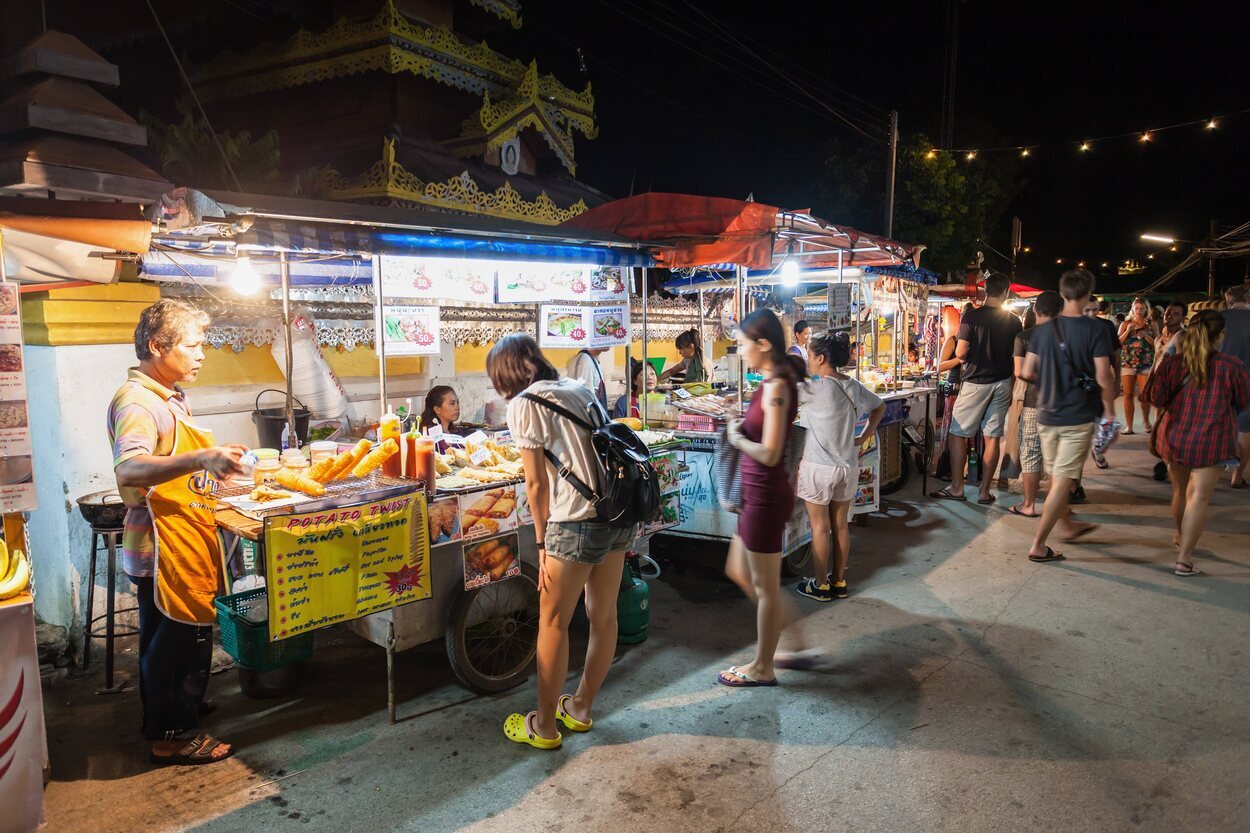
<point>509,10</point>
<point>496,124</point>
<point>387,179</point>
<point>389,43</point>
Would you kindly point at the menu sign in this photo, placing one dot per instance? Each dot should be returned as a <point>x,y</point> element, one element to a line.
<point>17,486</point>
<point>436,279</point>
<point>340,564</point>
<point>839,306</point>
<point>534,283</point>
<point>578,327</point>
<point>411,331</point>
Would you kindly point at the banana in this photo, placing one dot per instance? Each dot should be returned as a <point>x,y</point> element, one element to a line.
<point>19,580</point>
<point>8,564</point>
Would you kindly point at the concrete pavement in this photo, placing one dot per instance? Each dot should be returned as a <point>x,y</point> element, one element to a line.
<point>964,688</point>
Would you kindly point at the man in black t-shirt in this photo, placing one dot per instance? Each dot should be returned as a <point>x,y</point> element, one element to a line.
<point>1069,359</point>
<point>1046,307</point>
<point>984,345</point>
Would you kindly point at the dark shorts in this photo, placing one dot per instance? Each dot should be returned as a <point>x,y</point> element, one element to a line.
<point>587,542</point>
<point>1243,422</point>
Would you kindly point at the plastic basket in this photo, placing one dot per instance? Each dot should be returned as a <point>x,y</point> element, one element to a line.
<point>248,642</point>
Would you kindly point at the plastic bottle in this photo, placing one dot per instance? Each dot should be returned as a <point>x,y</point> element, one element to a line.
<point>389,429</point>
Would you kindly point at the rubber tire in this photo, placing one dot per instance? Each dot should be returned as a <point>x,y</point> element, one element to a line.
<point>457,656</point>
<point>262,685</point>
<point>795,563</point>
<point>905,466</point>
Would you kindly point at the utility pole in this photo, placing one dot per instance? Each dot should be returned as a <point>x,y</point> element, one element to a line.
<point>1211,263</point>
<point>890,169</point>
<point>1017,235</point>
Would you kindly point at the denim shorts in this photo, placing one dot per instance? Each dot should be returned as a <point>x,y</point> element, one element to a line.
<point>1243,422</point>
<point>587,542</point>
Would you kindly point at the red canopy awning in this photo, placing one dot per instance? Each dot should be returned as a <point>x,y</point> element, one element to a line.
<point>715,231</point>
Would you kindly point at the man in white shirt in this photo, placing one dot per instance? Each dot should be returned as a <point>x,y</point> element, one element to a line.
<point>585,368</point>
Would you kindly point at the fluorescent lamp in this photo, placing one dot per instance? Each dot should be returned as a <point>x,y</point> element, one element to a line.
<point>244,280</point>
<point>1159,238</point>
<point>790,272</point>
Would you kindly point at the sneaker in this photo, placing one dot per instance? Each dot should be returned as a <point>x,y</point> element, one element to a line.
<point>812,590</point>
<point>839,590</point>
<point>1077,495</point>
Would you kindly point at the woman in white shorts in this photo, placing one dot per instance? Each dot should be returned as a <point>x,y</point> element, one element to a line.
<point>831,404</point>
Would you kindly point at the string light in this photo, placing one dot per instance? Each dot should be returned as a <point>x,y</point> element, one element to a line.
<point>1027,250</point>
<point>1059,261</point>
<point>932,153</point>
<point>1105,265</point>
<point>1211,124</point>
<point>1145,137</point>
<point>1084,146</point>
<point>1024,151</point>
<point>1081,264</point>
<point>972,154</point>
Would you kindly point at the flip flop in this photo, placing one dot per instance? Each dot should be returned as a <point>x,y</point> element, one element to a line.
<point>945,493</point>
<point>1050,555</point>
<point>518,728</point>
<point>198,751</point>
<point>987,501</point>
<point>570,722</point>
<point>796,662</point>
<point>1240,485</point>
<point>736,679</point>
<point>1081,534</point>
<point>1192,571</point>
<point>1015,510</point>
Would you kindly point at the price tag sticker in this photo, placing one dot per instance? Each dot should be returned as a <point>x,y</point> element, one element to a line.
<point>435,431</point>
<point>454,439</point>
<point>480,456</point>
<point>477,438</point>
<point>681,393</point>
<point>503,437</point>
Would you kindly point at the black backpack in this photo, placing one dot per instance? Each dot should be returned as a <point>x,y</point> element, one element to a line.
<point>629,490</point>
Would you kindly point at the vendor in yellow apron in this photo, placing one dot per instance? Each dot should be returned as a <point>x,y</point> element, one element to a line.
<point>188,574</point>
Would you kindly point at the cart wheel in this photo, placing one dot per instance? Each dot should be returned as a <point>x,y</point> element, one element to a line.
<point>261,685</point>
<point>795,563</point>
<point>492,633</point>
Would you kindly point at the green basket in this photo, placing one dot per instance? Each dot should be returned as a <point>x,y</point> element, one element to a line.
<point>248,642</point>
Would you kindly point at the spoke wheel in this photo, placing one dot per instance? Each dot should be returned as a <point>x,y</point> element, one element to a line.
<point>492,633</point>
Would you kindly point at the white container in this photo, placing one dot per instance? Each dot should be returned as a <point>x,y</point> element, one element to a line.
<point>322,450</point>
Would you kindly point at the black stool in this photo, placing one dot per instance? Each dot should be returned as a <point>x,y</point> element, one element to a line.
<point>104,539</point>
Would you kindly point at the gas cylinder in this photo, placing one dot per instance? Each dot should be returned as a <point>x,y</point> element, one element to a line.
<point>633,605</point>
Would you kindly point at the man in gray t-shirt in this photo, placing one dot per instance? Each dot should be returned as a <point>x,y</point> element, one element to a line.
<point>1237,343</point>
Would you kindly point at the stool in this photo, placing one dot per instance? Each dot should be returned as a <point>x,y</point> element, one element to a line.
<point>109,537</point>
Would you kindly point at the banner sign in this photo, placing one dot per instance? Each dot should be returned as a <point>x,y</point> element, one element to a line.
<point>840,306</point>
<point>536,283</point>
<point>411,331</point>
<point>436,279</point>
<point>340,564</point>
<point>579,327</point>
<point>17,473</point>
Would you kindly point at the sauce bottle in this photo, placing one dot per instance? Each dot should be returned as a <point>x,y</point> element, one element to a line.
<point>388,429</point>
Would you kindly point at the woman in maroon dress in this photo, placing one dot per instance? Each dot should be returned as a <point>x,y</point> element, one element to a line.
<point>767,494</point>
<point>1200,391</point>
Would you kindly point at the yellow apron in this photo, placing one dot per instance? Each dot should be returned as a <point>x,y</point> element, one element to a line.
<point>188,568</point>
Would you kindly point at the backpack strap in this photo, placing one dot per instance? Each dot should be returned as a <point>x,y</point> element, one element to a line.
<point>562,470</point>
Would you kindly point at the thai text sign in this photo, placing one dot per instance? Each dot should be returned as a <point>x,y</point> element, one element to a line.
<point>340,564</point>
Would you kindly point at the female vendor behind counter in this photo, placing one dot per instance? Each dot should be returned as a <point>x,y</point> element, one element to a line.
<point>628,407</point>
<point>690,346</point>
<point>442,408</point>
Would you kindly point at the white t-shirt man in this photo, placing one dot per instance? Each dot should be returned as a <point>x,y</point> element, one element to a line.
<point>534,426</point>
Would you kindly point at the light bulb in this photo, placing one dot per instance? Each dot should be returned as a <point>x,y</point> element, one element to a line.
<point>972,154</point>
<point>930,154</point>
<point>1145,137</point>
<point>789,272</point>
<point>1024,151</point>
<point>244,280</point>
<point>1084,145</point>
<point>1211,124</point>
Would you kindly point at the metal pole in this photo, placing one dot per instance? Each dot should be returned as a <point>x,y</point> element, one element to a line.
<point>629,336</point>
<point>859,302</point>
<point>707,372</point>
<point>889,175</point>
<point>379,332</point>
<point>1211,264</point>
<point>390,671</point>
<point>740,272</point>
<point>284,270</point>
<point>642,394</point>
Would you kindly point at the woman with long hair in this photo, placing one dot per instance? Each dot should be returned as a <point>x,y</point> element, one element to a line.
<point>575,552</point>
<point>949,364</point>
<point>1137,335</point>
<point>442,408</point>
<point>641,378</point>
<point>754,562</point>
<point>690,347</point>
<point>1201,390</point>
<point>829,474</point>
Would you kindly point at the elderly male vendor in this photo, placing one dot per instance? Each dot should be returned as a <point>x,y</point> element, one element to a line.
<point>167,472</point>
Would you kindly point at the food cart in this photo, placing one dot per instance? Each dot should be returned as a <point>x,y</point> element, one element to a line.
<point>750,251</point>
<point>397,558</point>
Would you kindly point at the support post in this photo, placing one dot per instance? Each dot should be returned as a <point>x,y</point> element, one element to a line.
<point>284,270</point>
<point>890,171</point>
<point>379,332</point>
<point>1211,263</point>
<point>390,671</point>
<point>642,394</point>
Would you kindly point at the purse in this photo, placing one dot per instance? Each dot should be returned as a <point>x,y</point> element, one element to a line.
<point>728,481</point>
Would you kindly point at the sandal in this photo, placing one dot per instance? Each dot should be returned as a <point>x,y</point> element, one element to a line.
<point>570,722</point>
<point>1015,510</point>
<point>1186,570</point>
<point>519,728</point>
<point>1081,533</point>
<point>198,750</point>
<point>945,493</point>
<point>736,679</point>
<point>796,662</point>
<point>1050,555</point>
<point>987,501</point>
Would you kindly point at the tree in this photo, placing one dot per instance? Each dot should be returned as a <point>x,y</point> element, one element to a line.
<point>943,201</point>
<point>189,155</point>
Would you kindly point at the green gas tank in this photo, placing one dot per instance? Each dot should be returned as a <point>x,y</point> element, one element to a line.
<point>633,606</point>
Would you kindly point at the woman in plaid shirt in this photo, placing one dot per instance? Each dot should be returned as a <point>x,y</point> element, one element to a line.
<point>1202,391</point>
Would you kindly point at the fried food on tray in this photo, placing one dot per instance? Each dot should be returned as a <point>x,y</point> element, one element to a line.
<point>300,483</point>
<point>480,475</point>
<point>481,506</point>
<point>321,471</point>
<point>452,481</point>
<point>264,494</point>
<point>507,453</point>
<point>375,458</point>
<point>508,469</point>
<point>442,463</point>
<point>502,509</point>
<point>345,462</point>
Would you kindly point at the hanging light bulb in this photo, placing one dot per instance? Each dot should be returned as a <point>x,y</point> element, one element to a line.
<point>930,153</point>
<point>1024,151</point>
<point>1211,124</point>
<point>790,272</point>
<point>972,154</point>
<point>1084,146</point>
<point>244,280</point>
<point>1145,137</point>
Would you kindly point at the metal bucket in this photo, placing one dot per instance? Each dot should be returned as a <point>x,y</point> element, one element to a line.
<point>270,422</point>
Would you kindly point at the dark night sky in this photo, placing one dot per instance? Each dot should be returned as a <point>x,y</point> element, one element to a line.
<point>1046,74</point>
